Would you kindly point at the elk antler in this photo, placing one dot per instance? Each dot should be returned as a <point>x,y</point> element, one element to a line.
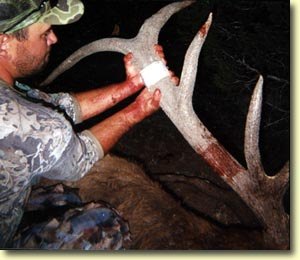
<point>262,193</point>
<point>141,45</point>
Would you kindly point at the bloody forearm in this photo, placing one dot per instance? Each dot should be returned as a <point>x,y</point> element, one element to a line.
<point>98,100</point>
<point>109,131</point>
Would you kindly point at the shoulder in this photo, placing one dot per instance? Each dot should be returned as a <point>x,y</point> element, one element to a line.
<point>8,108</point>
<point>23,117</point>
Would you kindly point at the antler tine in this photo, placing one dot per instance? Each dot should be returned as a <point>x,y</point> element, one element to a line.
<point>281,180</point>
<point>190,66</point>
<point>251,144</point>
<point>149,32</point>
<point>152,26</point>
<point>102,45</point>
<point>260,192</point>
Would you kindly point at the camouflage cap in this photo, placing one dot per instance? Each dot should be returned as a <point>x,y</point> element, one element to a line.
<point>17,14</point>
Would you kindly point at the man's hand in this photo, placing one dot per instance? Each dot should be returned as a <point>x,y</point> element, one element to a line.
<point>109,131</point>
<point>160,52</point>
<point>132,75</point>
<point>144,105</point>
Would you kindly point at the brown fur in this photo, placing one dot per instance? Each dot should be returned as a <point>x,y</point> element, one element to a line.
<point>156,219</point>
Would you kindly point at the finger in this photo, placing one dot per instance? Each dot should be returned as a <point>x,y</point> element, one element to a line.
<point>156,98</point>
<point>138,81</point>
<point>162,57</point>
<point>155,101</point>
<point>128,64</point>
<point>164,61</point>
<point>174,78</point>
<point>128,58</point>
<point>160,52</point>
<point>158,48</point>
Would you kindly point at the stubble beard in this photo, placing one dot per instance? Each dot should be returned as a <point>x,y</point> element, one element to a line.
<point>27,64</point>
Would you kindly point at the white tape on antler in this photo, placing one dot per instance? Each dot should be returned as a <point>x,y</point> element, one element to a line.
<point>154,72</point>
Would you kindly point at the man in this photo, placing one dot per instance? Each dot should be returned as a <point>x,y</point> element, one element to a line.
<point>36,136</point>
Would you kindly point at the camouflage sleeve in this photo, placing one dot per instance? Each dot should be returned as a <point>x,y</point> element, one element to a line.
<point>43,141</point>
<point>64,101</point>
<point>80,154</point>
<point>69,104</point>
<point>36,140</point>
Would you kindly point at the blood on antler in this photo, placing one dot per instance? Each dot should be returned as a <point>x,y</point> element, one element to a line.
<point>262,193</point>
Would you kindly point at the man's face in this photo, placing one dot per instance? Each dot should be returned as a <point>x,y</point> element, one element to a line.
<point>32,55</point>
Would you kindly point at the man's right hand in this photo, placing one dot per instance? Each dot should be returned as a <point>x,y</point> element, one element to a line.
<point>145,105</point>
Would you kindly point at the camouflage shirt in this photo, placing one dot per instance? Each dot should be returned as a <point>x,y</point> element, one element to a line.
<point>37,139</point>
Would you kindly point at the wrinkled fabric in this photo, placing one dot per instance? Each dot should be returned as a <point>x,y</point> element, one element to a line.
<point>70,223</point>
<point>38,140</point>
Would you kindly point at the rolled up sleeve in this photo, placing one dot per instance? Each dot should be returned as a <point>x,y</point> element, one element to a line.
<point>41,141</point>
<point>79,155</point>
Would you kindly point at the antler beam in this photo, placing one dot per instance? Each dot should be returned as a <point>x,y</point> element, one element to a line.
<point>262,193</point>
<point>141,45</point>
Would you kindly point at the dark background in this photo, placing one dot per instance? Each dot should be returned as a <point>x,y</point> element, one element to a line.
<point>246,38</point>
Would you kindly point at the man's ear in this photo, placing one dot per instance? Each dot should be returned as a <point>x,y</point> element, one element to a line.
<point>4,38</point>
